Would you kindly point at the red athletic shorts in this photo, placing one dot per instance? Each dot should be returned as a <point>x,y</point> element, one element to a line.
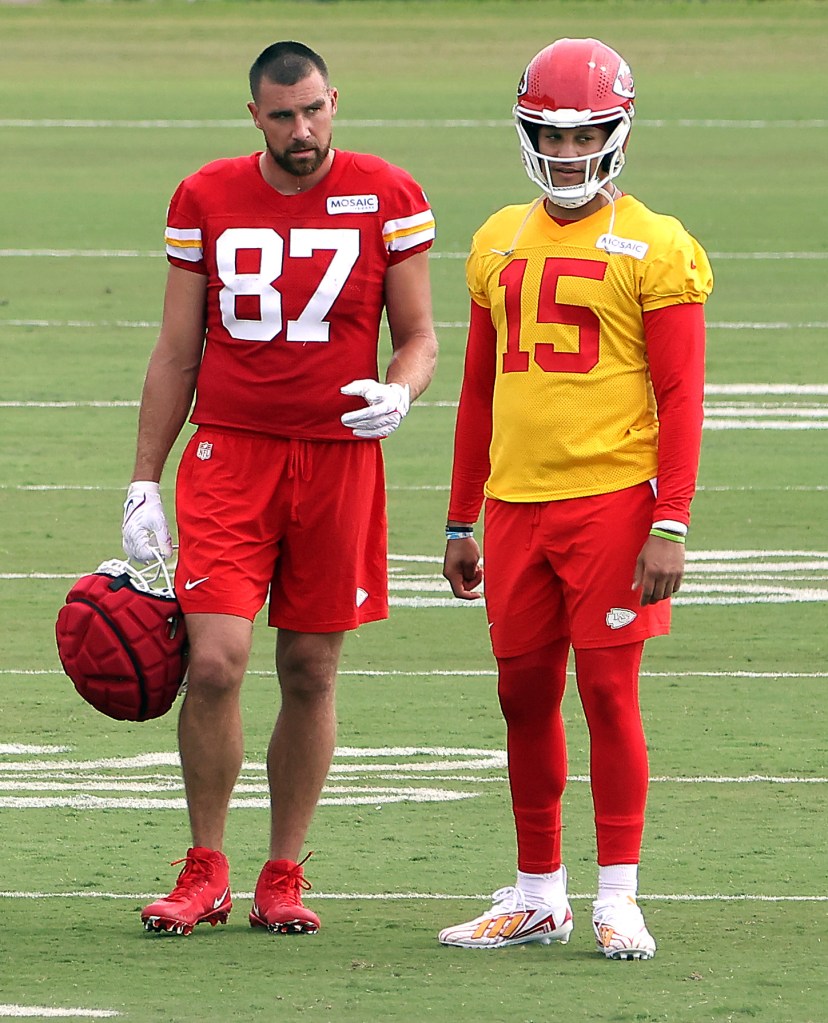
<point>565,568</point>
<point>304,519</point>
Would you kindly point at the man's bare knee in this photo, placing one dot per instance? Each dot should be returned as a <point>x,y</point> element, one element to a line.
<point>307,664</point>
<point>219,650</point>
<point>213,674</point>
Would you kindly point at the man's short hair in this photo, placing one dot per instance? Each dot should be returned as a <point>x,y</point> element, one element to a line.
<point>286,63</point>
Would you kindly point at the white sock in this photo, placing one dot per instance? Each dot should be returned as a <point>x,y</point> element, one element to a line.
<point>617,879</point>
<point>543,889</point>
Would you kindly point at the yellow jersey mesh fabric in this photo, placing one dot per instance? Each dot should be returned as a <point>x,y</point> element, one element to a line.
<point>573,407</point>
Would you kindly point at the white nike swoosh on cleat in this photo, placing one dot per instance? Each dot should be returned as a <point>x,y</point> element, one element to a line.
<point>192,583</point>
<point>217,902</point>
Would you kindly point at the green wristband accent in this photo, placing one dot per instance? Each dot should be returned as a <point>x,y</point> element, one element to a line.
<point>665,535</point>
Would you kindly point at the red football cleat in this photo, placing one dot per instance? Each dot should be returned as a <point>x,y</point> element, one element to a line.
<point>277,902</point>
<point>201,895</point>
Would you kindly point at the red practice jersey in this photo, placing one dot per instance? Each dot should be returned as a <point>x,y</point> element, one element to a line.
<point>295,286</point>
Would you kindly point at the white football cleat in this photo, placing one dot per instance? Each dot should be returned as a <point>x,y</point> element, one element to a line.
<point>620,931</point>
<point>512,921</point>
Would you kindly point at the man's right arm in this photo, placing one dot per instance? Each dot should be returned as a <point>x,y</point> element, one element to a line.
<point>470,468</point>
<point>170,382</point>
<point>165,403</point>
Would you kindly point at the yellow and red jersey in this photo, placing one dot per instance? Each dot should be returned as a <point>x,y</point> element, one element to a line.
<point>564,352</point>
<point>295,286</point>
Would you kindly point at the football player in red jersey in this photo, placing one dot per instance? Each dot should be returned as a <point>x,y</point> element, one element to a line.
<point>281,264</point>
<point>579,427</point>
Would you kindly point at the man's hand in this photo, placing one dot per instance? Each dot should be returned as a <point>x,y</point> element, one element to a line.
<point>461,566</point>
<point>387,404</point>
<point>144,530</point>
<point>659,569</point>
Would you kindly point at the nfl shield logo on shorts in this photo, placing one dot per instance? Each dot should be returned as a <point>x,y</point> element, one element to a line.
<point>204,450</point>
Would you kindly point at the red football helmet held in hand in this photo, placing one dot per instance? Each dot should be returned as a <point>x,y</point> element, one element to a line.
<point>122,640</point>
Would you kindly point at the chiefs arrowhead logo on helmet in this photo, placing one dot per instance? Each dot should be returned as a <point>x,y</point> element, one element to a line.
<point>624,84</point>
<point>123,642</point>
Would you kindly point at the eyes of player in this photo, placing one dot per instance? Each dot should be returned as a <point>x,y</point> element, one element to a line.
<point>587,137</point>
<point>288,115</point>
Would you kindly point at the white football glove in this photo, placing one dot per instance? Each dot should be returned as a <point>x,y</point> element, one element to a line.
<point>387,404</point>
<point>145,529</point>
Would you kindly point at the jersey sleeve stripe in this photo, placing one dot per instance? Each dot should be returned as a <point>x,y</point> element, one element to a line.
<point>189,234</point>
<point>184,243</point>
<point>178,251</point>
<point>411,241</point>
<point>406,232</point>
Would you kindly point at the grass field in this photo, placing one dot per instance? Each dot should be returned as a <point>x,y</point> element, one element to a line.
<point>104,107</point>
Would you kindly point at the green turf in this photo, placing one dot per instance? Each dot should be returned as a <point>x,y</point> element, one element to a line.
<point>734,868</point>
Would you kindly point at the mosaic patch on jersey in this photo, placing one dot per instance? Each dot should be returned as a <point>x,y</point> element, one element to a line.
<point>352,204</point>
<point>622,246</point>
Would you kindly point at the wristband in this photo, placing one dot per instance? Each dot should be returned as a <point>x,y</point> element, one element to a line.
<point>459,534</point>
<point>664,534</point>
<point>671,525</point>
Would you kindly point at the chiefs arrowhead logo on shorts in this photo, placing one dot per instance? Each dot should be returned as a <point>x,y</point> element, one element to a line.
<point>618,617</point>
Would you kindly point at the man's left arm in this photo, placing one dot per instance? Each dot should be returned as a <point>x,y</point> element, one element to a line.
<point>675,351</point>
<point>408,309</point>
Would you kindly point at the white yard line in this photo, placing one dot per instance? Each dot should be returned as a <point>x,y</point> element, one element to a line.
<point>815,488</point>
<point>781,256</point>
<point>439,324</point>
<point>419,896</point>
<point>46,1012</point>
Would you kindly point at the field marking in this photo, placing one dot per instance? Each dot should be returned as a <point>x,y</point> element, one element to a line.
<point>82,774</point>
<point>815,488</point>
<point>18,748</point>
<point>420,896</point>
<point>382,797</point>
<point>375,796</point>
<point>361,781</point>
<point>45,1012</point>
<point>159,254</point>
<point>719,415</point>
<point>439,324</point>
<point>711,324</point>
<point>713,578</point>
<point>129,403</point>
<point>419,122</point>
<point>761,255</point>
<point>753,596</point>
<point>721,408</point>
<point>768,410</point>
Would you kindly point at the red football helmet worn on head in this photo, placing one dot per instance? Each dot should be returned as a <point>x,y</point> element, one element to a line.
<point>123,642</point>
<point>570,84</point>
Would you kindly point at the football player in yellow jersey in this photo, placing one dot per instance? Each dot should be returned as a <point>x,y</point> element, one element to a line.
<point>579,428</point>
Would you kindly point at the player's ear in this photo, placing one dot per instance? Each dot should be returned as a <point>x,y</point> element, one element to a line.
<point>254,113</point>
<point>334,97</point>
